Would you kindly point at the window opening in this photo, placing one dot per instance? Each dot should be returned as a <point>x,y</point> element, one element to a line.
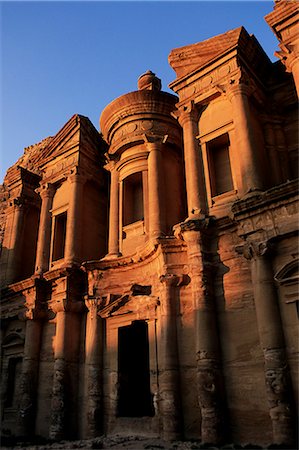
<point>14,372</point>
<point>134,395</point>
<point>59,236</point>
<point>133,199</point>
<point>219,165</point>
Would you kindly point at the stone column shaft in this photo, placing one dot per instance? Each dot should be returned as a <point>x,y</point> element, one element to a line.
<point>271,336</point>
<point>13,243</point>
<point>29,377</point>
<point>295,73</point>
<point>207,346</point>
<point>238,95</point>
<point>93,371</point>
<point>156,190</point>
<point>59,397</point>
<point>73,238</point>
<point>169,385</point>
<point>113,245</point>
<point>193,164</point>
<point>44,231</point>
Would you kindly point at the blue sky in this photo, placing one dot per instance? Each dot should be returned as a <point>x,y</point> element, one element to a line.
<point>62,58</point>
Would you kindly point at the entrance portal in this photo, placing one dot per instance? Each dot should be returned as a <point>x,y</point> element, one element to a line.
<point>134,395</point>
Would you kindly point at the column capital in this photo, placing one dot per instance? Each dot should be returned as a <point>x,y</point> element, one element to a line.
<point>199,224</point>
<point>254,250</point>
<point>188,112</point>
<point>65,305</point>
<point>154,142</point>
<point>110,166</point>
<point>289,56</point>
<point>238,87</point>
<point>93,305</point>
<point>171,279</point>
<point>16,202</point>
<point>46,190</point>
<point>75,177</point>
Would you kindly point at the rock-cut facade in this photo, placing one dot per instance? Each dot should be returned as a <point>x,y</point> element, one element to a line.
<point>149,269</point>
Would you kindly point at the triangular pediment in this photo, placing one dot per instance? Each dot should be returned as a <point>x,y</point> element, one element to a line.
<point>186,59</point>
<point>128,304</point>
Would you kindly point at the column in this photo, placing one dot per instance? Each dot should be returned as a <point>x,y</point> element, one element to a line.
<point>113,243</point>
<point>46,192</point>
<point>93,370</point>
<point>209,377</point>
<point>13,240</point>
<point>295,73</point>
<point>169,384</point>
<point>277,377</point>
<point>59,403</point>
<point>289,56</point>
<point>272,151</point>
<point>246,150</point>
<point>74,219</point>
<point>29,375</point>
<point>195,186</point>
<point>156,193</point>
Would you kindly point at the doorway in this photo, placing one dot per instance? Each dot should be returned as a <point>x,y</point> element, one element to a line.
<point>134,395</point>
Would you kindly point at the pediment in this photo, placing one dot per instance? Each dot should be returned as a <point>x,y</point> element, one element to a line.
<point>127,304</point>
<point>185,60</point>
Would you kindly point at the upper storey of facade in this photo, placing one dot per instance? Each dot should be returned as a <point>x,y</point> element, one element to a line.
<point>239,111</point>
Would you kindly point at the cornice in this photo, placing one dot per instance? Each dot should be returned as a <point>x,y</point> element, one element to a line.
<point>145,254</point>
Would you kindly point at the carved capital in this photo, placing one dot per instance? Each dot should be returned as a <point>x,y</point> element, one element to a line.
<point>169,279</point>
<point>93,276</point>
<point>154,142</point>
<point>65,305</point>
<point>188,113</point>
<point>241,86</point>
<point>253,250</point>
<point>16,203</point>
<point>288,55</point>
<point>93,305</point>
<point>46,190</point>
<point>198,224</point>
<point>76,176</point>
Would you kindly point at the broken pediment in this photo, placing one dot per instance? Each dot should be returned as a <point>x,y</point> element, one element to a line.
<point>187,59</point>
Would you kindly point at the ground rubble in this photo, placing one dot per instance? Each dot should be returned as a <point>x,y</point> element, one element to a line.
<point>128,442</point>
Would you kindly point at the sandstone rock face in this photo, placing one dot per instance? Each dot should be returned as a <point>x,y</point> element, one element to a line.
<point>149,272</point>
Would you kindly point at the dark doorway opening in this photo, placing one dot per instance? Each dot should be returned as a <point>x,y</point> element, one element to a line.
<point>134,395</point>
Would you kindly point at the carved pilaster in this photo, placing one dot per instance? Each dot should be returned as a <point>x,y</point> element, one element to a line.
<point>277,376</point>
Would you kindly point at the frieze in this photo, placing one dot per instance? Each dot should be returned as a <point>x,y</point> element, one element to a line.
<point>132,131</point>
<point>53,171</point>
